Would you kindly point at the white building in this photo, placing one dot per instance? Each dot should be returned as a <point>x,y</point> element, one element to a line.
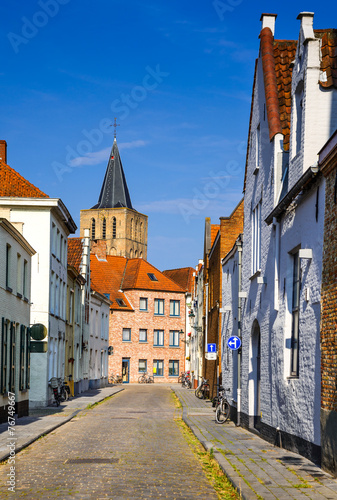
<point>46,224</point>
<point>98,340</point>
<point>283,234</point>
<point>15,274</point>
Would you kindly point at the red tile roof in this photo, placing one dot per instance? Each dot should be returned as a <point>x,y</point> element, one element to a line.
<point>329,56</point>
<point>119,273</point>
<point>277,56</point>
<point>75,250</point>
<point>12,184</point>
<point>214,231</point>
<point>182,276</point>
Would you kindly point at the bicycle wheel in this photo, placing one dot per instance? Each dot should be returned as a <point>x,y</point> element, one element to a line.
<point>151,379</point>
<point>222,412</point>
<point>141,379</point>
<point>199,393</point>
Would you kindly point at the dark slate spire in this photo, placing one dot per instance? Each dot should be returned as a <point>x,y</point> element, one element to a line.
<point>114,192</point>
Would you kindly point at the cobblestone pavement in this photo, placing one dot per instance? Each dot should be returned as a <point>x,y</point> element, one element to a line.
<point>128,447</point>
<point>255,467</point>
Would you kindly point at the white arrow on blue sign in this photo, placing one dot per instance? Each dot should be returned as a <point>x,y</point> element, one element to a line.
<point>234,343</point>
<point>211,347</point>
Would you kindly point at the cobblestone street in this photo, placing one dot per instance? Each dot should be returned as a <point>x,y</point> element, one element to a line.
<point>128,447</point>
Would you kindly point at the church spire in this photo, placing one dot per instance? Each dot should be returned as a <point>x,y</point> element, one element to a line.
<point>114,192</point>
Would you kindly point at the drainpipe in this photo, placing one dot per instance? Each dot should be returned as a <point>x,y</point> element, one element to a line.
<point>239,246</point>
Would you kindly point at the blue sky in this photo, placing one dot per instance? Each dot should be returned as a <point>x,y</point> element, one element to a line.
<point>177,75</point>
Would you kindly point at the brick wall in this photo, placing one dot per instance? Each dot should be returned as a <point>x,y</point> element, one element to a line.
<point>135,350</point>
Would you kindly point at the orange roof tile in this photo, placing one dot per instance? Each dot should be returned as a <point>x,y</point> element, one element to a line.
<point>75,250</point>
<point>329,56</point>
<point>119,273</point>
<point>214,231</point>
<point>277,56</point>
<point>12,184</point>
<point>182,276</point>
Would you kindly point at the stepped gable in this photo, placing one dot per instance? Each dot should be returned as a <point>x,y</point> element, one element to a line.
<point>329,57</point>
<point>182,276</point>
<point>114,192</point>
<point>75,250</point>
<point>12,184</point>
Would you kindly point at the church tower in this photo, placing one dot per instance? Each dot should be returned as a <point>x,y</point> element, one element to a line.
<point>113,219</point>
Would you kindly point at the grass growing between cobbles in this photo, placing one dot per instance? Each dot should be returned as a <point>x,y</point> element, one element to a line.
<point>210,466</point>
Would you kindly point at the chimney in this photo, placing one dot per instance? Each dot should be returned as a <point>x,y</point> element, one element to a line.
<point>3,151</point>
<point>307,22</point>
<point>268,21</point>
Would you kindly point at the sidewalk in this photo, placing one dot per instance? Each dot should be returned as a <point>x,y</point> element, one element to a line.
<point>44,420</point>
<point>257,469</point>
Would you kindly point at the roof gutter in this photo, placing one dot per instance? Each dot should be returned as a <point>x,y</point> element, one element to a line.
<point>308,176</point>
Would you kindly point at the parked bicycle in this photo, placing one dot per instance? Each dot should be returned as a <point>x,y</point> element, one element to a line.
<point>186,380</point>
<point>202,391</point>
<point>222,407</point>
<point>115,379</point>
<point>64,390</point>
<point>54,384</point>
<point>146,379</point>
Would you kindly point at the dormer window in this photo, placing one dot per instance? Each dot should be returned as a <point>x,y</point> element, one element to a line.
<point>257,149</point>
<point>152,277</point>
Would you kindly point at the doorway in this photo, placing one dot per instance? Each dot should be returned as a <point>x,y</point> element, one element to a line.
<point>125,370</point>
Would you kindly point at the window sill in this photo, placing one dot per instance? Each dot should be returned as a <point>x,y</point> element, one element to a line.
<point>19,295</point>
<point>174,315</point>
<point>143,311</point>
<point>143,342</point>
<point>293,377</point>
<point>9,289</point>
<point>160,346</point>
<point>255,275</point>
<point>174,346</point>
<point>126,341</point>
<point>160,315</point>
<point>25,299</point>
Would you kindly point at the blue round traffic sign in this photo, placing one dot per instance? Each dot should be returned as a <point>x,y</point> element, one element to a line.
<point>234,343</point>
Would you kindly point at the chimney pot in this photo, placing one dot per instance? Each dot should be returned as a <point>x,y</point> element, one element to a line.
<point>268,21</point>
<point>3,151</point>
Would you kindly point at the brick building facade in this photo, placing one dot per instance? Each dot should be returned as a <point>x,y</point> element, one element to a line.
<point>328,163</point>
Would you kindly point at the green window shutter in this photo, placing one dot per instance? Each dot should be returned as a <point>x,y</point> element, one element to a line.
<point>12,358</point>
<point>22,358</point>
<point>3,358</point>
<point>28,359</point>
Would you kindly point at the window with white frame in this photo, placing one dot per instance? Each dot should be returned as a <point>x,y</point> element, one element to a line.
<point>256,238</point>
<point>294,357</point>
<point>174,338</point>
<point>158,338</point>
<point>159,307</point>
<point>174,307</point>
<point>126,335</point>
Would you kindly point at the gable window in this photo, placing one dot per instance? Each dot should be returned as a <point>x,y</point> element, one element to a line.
<point>121,303</point>
<point>174,338</point>
<point>159,307</point>
<point>158,338</point>
<point>93,229</point>
<point>114,227</point>
<point>142,335</point>
<point>142,366</point>
<point>158,367</point>
<point>174,307</point>
<point>126,335</point>
<point>295,316</point>
<point>8,266</point>
<point>173,368</point>
<point>143,304</point>
<point>257,149</point>
<point>104,228</point>
<point>256,238</point>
